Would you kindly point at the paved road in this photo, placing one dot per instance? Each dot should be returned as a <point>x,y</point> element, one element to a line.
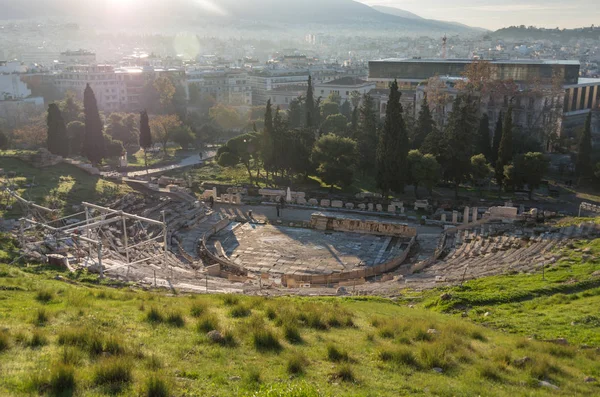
<point>186,162</point>
<point>298,214</point>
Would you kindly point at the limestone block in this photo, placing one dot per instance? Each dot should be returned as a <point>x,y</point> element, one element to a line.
<point>370,206</point>
<point>350,206</point>
<point>301,201</point>
<point>398,204</point>
<point>325,203</point>
<point>337,204</point>
<point>313,202</point>
<point>362,206</point>
<point>379,207</point>
<point>454,216</point>
<point>392,208</point>
<point>443,217</point>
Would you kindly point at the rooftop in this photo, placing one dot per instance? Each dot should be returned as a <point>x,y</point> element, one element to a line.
<point>494,61</point>
<point>353,81</point>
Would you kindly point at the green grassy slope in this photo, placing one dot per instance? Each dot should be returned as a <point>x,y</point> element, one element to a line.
<point>73,334</point>
<point>58,187</point>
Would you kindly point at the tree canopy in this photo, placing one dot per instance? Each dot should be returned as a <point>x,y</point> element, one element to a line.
<point>58,141</point>
<point>93,146</point>
<point>335,159</point>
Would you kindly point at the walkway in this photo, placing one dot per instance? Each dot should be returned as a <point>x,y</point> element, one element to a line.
<point>186,162</point>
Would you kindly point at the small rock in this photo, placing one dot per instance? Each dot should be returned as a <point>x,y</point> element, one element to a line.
<point>235,378</point>
<point>464,314</point>
<point>438,370</point>
<point>445,296</point>
<point>589,379</point>
<point>215,336</point>
<point>587,250</point>
<point>521,361</point>
<point>486,314</point>
<point>548,384</point>
<point>432,331</point>
<point>559,341</point>
<point>411,306</point>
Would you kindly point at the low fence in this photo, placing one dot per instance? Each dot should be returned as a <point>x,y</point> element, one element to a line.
<point>335,278</point>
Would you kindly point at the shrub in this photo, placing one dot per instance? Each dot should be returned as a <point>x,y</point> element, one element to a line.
<point>175,319</point>
<point>296,364</point>
<point>265,340</point>
<point>62,381</point>
<point>239,311</point>
<point>38,339</point>
<point>41,317</point>
<point>156,387</point>
<point>336,355</point>
<point>198,309</point>
<point>344,373</point>
<point>207,323</point>
<point>113,373</point>
<point>292,334</point>
<point>154,316</point>
<point>44,296</point>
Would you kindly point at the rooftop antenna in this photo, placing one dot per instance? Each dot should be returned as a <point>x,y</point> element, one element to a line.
<point>444,41</point>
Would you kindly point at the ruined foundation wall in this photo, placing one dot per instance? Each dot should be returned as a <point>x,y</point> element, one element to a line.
<point>323,222</point>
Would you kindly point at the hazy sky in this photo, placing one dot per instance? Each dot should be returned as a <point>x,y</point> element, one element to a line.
<point>494,14</point>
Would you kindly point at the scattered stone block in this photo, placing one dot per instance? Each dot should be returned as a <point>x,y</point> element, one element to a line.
<point>379,208</point>
<point>362,207</point>
<point>301,201</point>
<point>313,202</point>
<point>350,206</point>
<point>370,206</point>
<point>337,204</point>
<point>325,203</point>
<point>392,208</point>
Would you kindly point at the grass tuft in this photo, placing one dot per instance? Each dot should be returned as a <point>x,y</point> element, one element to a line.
<point>292,334</point>
<point>265,341</point>
<point>207,323</point>
<point>44,296</point>
<point>62,381</point>
<point>175,319</point>
<point>231,300</point>
<point>344,373</point>
<point>240,311</point>
<point>296,364</point>
<point>38,339</point>
<point>156,387</point>
<point>154,316</point>
<point>4,341</point>
<point>400,356</point>
<point>198,309</point>
<point>41,317</point>
<point>113,373</point>
<point>336,355</point>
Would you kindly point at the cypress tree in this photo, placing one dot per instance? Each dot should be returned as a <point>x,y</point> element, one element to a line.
<point>392,150</point>
<point>354,122</point>
<point>584,152</point>
<point>365,135</point>
<point>58,141</point>
<point>145,135</point>
<point>461,129</point>
<point>310,105</point>
<point>93,145</point>
<point>484,137</point>
<point>505,151</point>
<point>424,125</point>
<point>267,148</point>
<point>497,139</point>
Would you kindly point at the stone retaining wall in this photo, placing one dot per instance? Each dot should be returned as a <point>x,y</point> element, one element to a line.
<point>323,222</point>
<point>290,280</point>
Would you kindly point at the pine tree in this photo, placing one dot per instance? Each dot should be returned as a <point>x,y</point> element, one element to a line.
<point>461,129</point>
<point>145,136</point>
<point>424,126</point>
<point>267,148</point>
<point>505,152</point>
<point>583,165</point>
<point>93,145</point>
<point>392,150</point>
<point>497,139</point>
<point>484,137</point>
<point>310,105</point>
<point>58,140</point>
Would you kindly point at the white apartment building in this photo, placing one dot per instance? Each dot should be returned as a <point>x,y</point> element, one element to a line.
<point>268,80</point>
<point>110,91</point>
<point>344,87</point>
<point>230,86</point>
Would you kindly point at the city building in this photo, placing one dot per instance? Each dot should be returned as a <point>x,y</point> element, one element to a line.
<point>80,57</point>
<point>538,93</point>
<point>230,86</point>
<point>282,97</point>
<point>344,87</point>
<point>264,81</point>
<point>109,90</point>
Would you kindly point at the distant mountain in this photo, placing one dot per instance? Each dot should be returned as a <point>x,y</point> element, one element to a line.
<point>298,12</point>
<point>397,12</point>
<point>407,14</point>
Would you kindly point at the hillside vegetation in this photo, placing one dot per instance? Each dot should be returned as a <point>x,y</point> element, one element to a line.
<point>69,334</point>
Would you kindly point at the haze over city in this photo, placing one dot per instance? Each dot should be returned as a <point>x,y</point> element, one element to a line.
<point>299,198</point>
